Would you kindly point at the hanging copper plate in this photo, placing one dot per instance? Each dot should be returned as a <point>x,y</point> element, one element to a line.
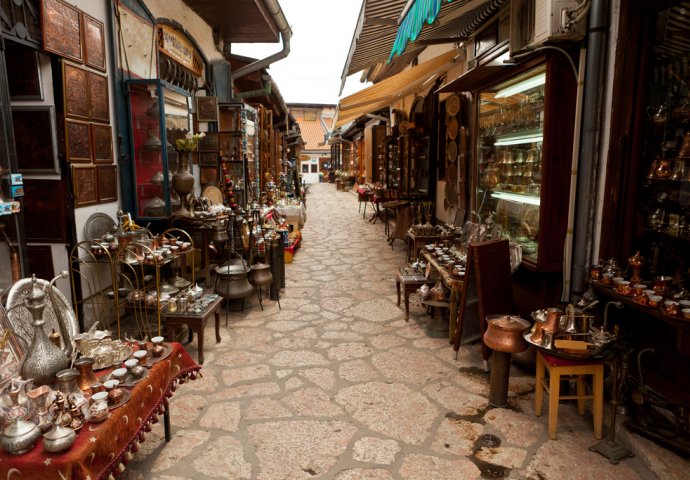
<point>446,205</point>
<point>451,194</point>
<point>451,173</point>
<point>452,128</point>
<point>451,151</point>
<point>452,105</point>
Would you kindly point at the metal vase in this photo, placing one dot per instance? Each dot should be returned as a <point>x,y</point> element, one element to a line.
<point>43,359</point>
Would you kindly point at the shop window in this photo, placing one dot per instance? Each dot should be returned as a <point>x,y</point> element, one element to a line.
<point>314,168</point>
<point>305,168</point>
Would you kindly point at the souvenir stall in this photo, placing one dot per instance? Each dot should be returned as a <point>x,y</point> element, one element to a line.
<point>55,417</point>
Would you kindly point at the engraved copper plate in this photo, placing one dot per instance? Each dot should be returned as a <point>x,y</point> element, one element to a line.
<point>207,109</point>
<point>77,135</point>
<point>452,173</point>
<point>208,159</point>
<point>107,183</point>
<point>208,175</point>
<point>75,84</point>
<point>98,98</point>
<point>85,185</point>
<point>94,43</point>
<point>209,143</point>
<point>452,105</point>
<point>452,128</point>
<point>102,140</point>
<point>61,29</point>
<point>452,151</point>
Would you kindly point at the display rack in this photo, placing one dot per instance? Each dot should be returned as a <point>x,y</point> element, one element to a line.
<point>134,270</point>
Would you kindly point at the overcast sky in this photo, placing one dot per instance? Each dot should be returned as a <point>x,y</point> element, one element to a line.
<point>321,34</point>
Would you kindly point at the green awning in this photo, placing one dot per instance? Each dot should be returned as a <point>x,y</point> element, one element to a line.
<point>422,11</point>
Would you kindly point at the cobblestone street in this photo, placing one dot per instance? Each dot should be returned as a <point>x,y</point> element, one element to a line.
<point>337,385</point>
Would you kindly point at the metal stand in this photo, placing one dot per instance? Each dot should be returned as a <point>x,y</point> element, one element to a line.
<point>609,448</point>
<point>500,377</point>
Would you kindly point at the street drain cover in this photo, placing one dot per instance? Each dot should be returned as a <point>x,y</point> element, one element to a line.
<point>488,440</point>
<point>493,471</point>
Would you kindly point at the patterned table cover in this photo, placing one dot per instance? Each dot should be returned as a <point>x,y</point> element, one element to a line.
<point>102,450</point>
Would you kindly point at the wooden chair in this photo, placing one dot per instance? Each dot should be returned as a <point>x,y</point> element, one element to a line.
<point>559,368</point>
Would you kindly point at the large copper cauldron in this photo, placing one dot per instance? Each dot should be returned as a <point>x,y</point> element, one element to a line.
<point>231,281</point>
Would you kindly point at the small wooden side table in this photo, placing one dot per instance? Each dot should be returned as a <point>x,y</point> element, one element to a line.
<point>410,284</point>
<point>196,321</point>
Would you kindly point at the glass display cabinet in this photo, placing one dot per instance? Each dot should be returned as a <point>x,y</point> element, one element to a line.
<point>392,154</point>
<point>523,157</point>
<point>663,213</point>
<point>414,165</point>
<point>158,115</point>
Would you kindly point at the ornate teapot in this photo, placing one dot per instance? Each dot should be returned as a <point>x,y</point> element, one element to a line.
<point>44,359</point>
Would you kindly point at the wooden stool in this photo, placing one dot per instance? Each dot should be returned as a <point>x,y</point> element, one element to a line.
<point>557,368</point>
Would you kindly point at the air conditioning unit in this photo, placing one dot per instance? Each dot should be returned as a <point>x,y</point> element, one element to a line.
<point>535,22</point>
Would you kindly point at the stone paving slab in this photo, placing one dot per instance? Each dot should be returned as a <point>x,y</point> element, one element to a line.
<point>337,385</point>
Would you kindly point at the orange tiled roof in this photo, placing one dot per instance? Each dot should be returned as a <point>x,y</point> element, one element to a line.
<point>313,132</point>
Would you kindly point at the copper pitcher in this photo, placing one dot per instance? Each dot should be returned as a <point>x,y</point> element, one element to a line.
<point>553,316</point>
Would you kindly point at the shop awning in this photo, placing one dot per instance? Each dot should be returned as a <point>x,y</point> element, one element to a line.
<point>379,20</point>
<point>238,21</point>
<point>386,91</point>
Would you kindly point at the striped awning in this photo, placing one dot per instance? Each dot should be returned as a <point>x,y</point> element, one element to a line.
<point>422,12</point>
<point>387,91</point>
<point>379,21</point>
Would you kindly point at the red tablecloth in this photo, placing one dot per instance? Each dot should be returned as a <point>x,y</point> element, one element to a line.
<point>101,450</point>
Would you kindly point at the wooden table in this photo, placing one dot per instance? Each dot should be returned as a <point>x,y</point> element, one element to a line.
<point>416,243</point>
<point>196,321</point>
<point>455,286</point>
<point>410,284</point>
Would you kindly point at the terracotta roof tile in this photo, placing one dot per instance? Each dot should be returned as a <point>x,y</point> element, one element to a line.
<point>313,132</point>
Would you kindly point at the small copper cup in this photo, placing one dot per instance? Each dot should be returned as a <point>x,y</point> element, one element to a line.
<point>595,272</point>
<point>97,387</point>
<point>671,307</point>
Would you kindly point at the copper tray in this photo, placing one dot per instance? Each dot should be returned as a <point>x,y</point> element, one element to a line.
<point>151,360</point>
<point>126,396</point>
<point>129,380</point>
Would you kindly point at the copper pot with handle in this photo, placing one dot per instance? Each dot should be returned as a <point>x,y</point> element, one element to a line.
<point>232,282</point>
<point>504,333</point>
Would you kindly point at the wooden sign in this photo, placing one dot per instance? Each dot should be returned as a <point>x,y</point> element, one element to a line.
<point>175,45</point>
<point>488,273</point>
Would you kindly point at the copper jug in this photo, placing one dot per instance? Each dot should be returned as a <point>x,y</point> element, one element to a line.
<point>553,316</point>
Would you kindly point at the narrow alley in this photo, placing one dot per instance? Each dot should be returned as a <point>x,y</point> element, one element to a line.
<point>337,385</point>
